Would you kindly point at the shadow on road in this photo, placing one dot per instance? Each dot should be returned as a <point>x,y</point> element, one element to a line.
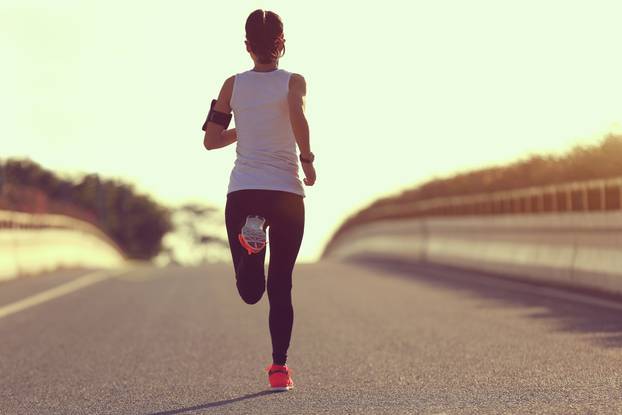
<point>604,324</point>
<point>190,409</point>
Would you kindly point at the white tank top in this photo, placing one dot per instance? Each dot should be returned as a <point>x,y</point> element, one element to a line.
<point>266,146</point>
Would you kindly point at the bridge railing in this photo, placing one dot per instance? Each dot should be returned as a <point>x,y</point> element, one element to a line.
<point>583,196</point>
<point>32,243</point>
<point>567,234</point>
<point>29,221</point>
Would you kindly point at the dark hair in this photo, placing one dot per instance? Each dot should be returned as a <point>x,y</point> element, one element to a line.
<point>264,33</point>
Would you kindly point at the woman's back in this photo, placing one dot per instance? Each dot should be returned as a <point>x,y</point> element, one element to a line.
<point>266,145</point>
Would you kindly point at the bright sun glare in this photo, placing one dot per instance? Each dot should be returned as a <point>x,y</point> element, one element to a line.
<point>398,93</point>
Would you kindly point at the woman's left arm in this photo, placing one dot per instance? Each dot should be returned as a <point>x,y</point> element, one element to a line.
<point>215,134</point>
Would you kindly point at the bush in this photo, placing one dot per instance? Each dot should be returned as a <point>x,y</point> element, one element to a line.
<point>134,221</point>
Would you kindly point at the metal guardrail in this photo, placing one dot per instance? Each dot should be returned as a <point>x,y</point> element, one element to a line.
<point>585,196</point>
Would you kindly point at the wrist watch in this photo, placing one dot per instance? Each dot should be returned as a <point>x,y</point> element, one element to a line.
<point>307,160</point>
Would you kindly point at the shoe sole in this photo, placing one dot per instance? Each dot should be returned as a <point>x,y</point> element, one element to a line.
<point>251,250</point>
<point>257,236</point>
<point>281,388</point>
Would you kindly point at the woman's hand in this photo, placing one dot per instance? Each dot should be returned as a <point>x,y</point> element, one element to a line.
<point>309,171</point>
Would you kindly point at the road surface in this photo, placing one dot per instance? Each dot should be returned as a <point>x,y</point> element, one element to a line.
<point>367,339</point>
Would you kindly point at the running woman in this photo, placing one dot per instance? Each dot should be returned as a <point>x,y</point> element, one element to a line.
<point>265,192</point>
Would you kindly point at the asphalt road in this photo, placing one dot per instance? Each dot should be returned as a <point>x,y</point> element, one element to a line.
<point>367,339</point>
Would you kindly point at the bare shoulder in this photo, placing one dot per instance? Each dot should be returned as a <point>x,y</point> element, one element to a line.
<point>223,103</point>
<point>297,83</point>
<point>228,84</point>
<point>297,78</point>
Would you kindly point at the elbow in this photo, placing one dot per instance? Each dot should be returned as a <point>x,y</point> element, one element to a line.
<point>208,143</point>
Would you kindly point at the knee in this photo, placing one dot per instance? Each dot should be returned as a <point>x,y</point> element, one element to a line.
<point>252,299</point>
<point>251,295</point>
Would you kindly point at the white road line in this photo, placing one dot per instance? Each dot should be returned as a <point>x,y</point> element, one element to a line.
<point>55,292</point>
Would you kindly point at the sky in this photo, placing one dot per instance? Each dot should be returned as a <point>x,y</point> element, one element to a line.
<point>399,92</point>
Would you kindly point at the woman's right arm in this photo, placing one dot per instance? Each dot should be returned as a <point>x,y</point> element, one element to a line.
<point>300,126</point>
<point>215,134</point>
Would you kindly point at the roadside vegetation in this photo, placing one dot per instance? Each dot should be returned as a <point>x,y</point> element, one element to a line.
<point>134,221</point>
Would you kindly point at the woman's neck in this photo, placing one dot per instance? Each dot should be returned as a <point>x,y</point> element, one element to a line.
<point>266,67</point>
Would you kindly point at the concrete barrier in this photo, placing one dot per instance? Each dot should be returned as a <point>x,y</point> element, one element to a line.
<point>34,243</point>
<point>573,249</point>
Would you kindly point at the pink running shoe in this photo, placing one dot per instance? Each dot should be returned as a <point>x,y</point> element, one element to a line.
<point>280,378</point>
<point>252,236</point>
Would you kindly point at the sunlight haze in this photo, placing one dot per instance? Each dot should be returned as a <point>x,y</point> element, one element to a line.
<point>398,91</point>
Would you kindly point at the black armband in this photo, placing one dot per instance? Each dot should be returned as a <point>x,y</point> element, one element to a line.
<point>217,117</point>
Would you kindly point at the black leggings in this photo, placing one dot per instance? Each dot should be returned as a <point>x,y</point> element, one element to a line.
<point>285,216</point>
